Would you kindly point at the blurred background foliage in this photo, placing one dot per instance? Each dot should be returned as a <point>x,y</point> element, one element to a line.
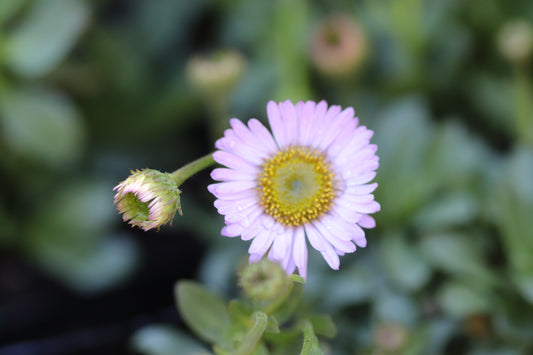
<point>91,89</point>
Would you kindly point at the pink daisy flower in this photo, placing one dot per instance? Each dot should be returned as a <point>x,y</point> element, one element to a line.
<point>308,181</point>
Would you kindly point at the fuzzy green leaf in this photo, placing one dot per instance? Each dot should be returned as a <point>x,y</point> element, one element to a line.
<point>323,325</point>
<point>462,300</point>
<point>204,312</point>
<point>165,340</point>
<point>46,35</point>
<point>42,126</point>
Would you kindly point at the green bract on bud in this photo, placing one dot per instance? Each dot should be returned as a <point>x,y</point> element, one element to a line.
<point>338,46</point>
<point>148,199</point>
<point>216,73</point>
<point>264,282</point>
<point>515,41</point>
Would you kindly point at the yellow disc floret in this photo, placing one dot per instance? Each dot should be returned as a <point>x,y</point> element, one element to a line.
<point>296,186</point>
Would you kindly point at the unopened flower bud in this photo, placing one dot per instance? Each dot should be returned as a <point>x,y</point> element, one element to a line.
<point>338,46</point>
<point>264,282</point>
<point>148,199</point>
<point>515,41</point>
<point>216,73</point>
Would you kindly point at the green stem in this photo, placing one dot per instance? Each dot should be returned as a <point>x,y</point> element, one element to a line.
<point>192,168</point>
<point>254,335</point>
<point>290,53</point>
<point>310,345</point>
<point>523,107</point>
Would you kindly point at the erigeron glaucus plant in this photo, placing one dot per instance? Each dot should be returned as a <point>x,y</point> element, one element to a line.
<point>309,181</point>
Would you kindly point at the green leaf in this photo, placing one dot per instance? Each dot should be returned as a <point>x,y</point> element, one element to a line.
<point>91,269</point>
<point>457,254</point>
<point>239,313</point>
<point>512,208</point>
<point>204,312</point>
<point>450,210</point>
<point>355,285</point>
<point>461,300</point>
<point>159,339</point>
<point>8,8</point>
<point>395,307</point>
<point>323,325</point>
<point>42,125</point>
<point>455,156</point>
<point>403,135</point>
<point>403,262</point>
<point>43,39</point>
<point>81,205</point>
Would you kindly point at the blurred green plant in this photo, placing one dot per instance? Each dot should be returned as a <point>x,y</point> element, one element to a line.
<point>251,325</point>
<point>58,219</point>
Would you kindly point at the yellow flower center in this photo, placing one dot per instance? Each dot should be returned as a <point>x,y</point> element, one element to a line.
<point>296,186</point>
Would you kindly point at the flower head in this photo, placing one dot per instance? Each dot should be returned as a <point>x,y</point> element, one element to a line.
<point>309,178</point>
<point>515,41</point>
<point>216,73</point>
<point>338,46</point>
<point>148,198</point>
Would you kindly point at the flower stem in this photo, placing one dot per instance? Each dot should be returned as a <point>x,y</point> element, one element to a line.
<point>254,335</point>
<point>192,168</point>
<point>310,345</point>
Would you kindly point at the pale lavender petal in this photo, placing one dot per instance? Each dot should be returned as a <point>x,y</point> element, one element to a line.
<point>359,236</point>
<point>237,147</point>
<point>338,226</point>
<point>228,188</point>
<point>281,244</point>
<point>370,207</point>
<point>247,138</point>
<point>261,242</point>
<point>315,238</point>
<point>351,201</point>
<point>231,230</point>
<point>234,162</point>
<point>224,174</point>
<point>263,135</point>
<point>344,245</point>
<point>361,189</point>
<point>359,179</point>
<point>342,124</point>
<point>290,124</point>
<point>299,252</point>
<point>324,123</point>
<point>276,124</point>
<point>347,214</point>
<point>331,257</point>
<point>367,221</point>
<point>253,228</point>
<point>243,217</point>
<point>307,115</point>
<point>234,206</point>
<point>245,194</point>
<point>255,258</point>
